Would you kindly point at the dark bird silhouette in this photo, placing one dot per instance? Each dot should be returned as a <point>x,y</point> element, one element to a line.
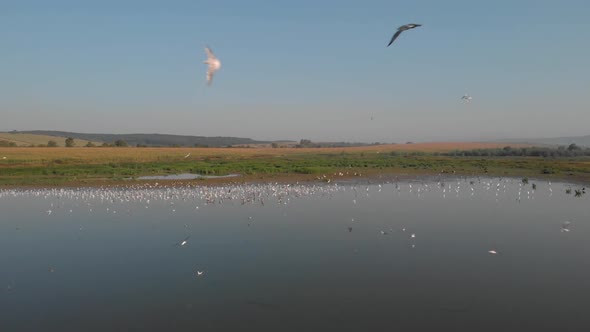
<point>402,29</point>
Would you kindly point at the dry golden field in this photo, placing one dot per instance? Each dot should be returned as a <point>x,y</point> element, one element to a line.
<point>99,155</point>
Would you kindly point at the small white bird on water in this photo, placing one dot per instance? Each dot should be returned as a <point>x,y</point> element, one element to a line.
<point>214,64</point>
<point>565,227</point>
<point>200,273</point>
<point>493,252</point>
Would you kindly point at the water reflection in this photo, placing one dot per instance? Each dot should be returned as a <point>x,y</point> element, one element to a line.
<point>186,176</point>
<point>345,256</point>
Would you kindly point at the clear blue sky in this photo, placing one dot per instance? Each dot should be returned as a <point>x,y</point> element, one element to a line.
<point>298,69</point>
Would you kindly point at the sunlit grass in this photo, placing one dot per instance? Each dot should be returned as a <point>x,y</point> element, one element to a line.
<point>57,166</point>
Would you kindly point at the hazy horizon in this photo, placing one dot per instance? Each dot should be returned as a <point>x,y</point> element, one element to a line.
<point>421,140</point>
<point>302,70</point>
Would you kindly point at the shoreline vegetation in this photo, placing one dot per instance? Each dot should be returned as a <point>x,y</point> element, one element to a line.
<point>106,166</point>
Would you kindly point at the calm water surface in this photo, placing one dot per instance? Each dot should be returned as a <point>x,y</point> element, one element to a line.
<point>278,257</point>
<point>185,176</point>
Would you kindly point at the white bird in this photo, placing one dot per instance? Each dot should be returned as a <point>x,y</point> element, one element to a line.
<point>413,236</point>
<point>467,98</point>
<point>183,242</point>
<point>200,273</point>
<point>3,157</point>
<point>493,252</point>
<point>214,64</point>
<point>188,155</point>
<point>565,226</point>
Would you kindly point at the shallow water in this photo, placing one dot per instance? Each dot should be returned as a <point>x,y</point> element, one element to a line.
<point>185,176</point>
<point>283,258</point>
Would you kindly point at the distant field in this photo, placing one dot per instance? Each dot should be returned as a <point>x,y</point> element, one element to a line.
<point>32,139</point>
<point>131,154</point>
<point>97,166</point>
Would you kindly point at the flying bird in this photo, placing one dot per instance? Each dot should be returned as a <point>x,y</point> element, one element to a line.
<point>200,273</point>
<point>467,98</point>
<point>188,155</point>
<point>214,64</point>
<point>183,242</point>
<point>402,29</point>
<point>565,227</point>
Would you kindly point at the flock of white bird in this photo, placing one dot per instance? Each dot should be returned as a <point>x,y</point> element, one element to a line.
<point>91,199</point>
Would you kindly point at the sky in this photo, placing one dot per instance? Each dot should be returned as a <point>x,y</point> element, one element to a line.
<point>317,70</point>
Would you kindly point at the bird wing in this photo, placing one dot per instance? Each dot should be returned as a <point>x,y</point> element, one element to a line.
<point>210,54</point>
<point>210,72</point>
<point>394,37</point>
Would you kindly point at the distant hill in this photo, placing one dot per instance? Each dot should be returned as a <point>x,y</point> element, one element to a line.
<point>578,140</point>
<point>24,139</point>
<point>148,139</point>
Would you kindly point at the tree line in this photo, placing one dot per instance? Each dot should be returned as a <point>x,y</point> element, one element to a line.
<point>69,143</point>
<point>572,150</point>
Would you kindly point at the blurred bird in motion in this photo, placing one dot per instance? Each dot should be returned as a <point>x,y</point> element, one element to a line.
<point>214,64</point>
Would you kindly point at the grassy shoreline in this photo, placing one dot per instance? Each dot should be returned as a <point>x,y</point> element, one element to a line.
<point>44,167</point>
